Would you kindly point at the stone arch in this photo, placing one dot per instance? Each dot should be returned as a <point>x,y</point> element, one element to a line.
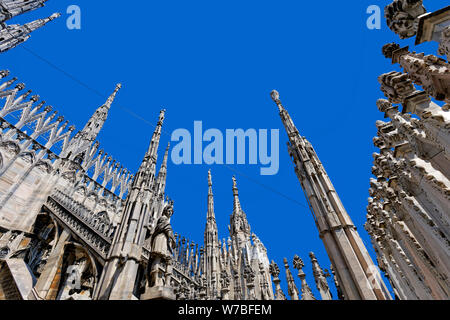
<point>45,166</point>
<point>78,274</point>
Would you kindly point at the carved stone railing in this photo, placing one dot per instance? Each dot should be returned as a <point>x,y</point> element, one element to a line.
<point>97,232</point>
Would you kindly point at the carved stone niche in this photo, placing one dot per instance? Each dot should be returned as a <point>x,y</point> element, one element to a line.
<point>402,17</point>
<point>431,25</point>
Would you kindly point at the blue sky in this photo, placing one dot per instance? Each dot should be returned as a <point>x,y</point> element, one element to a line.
<point>217,61</point>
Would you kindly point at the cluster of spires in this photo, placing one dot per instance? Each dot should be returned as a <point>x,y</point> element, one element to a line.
<point>13,35</point>
<point>210,266</point>
<point>131,236</point>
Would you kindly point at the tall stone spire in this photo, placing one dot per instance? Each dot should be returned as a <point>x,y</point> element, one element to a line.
<point>211,215</point>
<point>86,137</point>
<point>119,275</point>
<point>356,272</point>
<point>13,35</point>
<point>12,8</point>
<point>159,191</point>
<point>239,226</point>
<point>96,122</point>
<point>160,185</point>
<point>212,246</point>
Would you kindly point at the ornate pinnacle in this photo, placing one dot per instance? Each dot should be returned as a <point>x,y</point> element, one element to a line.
<point>166,156</point>
<point>162,114</point>
<point>306,290</point>
<point>112,97</point>
<point>320,278</point>
<point>292,288</point>
<point>237,204</point>
<point>298,263</point>
<point>54,16</point>
<point>274,270</point>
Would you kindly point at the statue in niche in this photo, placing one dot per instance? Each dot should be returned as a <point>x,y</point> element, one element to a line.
<point>79,282</point>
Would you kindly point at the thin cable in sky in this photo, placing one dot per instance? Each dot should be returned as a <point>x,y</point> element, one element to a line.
<point>133,114</point>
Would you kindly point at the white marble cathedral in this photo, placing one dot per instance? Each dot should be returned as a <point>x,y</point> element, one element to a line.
<point>75,224</point>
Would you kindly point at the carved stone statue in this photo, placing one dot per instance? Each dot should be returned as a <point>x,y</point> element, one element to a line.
<point>163,240</point>
<point>162,244</point>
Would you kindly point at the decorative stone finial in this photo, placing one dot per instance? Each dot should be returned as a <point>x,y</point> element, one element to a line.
<point>275,96</point>
<point>54,16</point>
